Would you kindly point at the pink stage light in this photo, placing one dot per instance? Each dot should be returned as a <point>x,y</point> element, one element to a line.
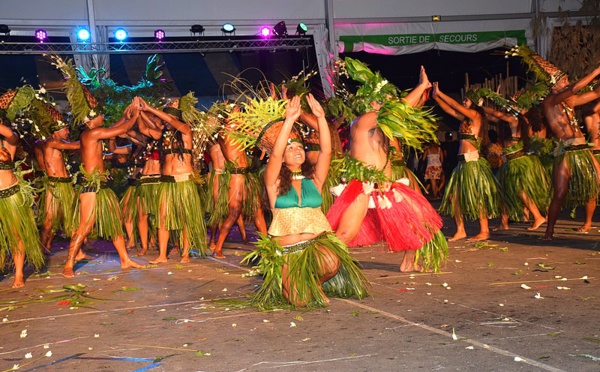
<point>265,32</point>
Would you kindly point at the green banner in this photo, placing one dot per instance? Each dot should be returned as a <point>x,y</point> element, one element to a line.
<point>446,38</point>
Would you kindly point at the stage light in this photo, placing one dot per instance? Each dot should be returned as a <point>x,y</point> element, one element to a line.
<point>280,29</point>
<point>436,18</point>
<point>159,34</point>
<point>197,29</point>
<point>302,29</point>
<point>120,34</point>
<point>265,32</point>
<point>228,28</point>
<point>83,34</point>
<point>41,35</point>
<point>4,29</point>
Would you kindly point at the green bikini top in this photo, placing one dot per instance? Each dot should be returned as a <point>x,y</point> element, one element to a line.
<point>311,198</point>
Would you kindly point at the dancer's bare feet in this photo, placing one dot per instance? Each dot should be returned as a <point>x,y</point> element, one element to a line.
<point>536,223</point>
<point>410,267</point>
<point>479,237</point>
<point>130,244</point>
<point>131,264</point>
<point>323,296</point>
<point>457,236</point>
<point>82,257</point>
<point>158,260</point>
<point>142,252</point>
<point>185,259</point>
<point>19,282</point>
<point>500,227</point>
<point>218,254</point>
<point>68,272</point>
<point>585,227</point>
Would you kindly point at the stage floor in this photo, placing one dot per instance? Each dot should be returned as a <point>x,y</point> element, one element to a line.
<point>512,303</point>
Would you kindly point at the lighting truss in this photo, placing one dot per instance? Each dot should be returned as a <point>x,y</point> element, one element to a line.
<point>202,46</point>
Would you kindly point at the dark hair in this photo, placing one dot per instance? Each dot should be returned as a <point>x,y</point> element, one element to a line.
<point>285,176</point>
<point>536,118</point>
<point>483,131</point>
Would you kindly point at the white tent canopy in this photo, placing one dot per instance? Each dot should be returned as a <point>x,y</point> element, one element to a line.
<point>376,26</point>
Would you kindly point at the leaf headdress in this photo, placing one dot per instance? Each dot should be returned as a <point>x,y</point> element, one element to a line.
<point>84,105</point>
<point>396,118</point>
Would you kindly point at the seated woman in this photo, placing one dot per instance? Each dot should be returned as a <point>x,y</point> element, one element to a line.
<point>302,260</point>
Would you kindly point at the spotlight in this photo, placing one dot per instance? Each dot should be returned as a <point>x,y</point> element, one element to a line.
<point>120,34</point>
<point>83,34</point>
<point>280,29</point>
<point>41,35</point>
<point>4,29</point>
<point>159,35</point>
<point>301,29</point>
<point>265,32</point>
<point>197,29</point>
<point>228,28</point>
<point>436,18</point>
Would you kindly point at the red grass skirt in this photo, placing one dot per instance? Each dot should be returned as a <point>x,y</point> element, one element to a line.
<point>401,217</point>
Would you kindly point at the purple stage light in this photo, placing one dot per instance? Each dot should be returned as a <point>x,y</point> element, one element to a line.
<point>41,35</point>
<point>265,32</point>
<point>159,35</point>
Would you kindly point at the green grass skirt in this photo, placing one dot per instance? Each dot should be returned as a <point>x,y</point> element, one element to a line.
<point>17,222</point>
<point>527,174</point>
<point>109,222</point>
<point>184,210</point>
<point>61,205</point>
<point>583,185</point>
<point>220,206</point>
<point>128,204</point>
<point>473,186</point>
<point>303,270</point>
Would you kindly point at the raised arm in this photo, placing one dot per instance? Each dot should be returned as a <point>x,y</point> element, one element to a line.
<point>452,107</point>
<point>64,145</point>
<point>324,158</point>
<point>122,126</point>
<point>572,89</point>
<point>587,97</point>
<point>147,127</point>
<point>504,116</point>
<point>415,97</point>
<point>292,113</point>
<point>178,125</point>
<point>9,136</point>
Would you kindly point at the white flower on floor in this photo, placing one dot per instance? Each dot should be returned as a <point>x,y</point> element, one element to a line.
<point>24,333</point>
<point>15,367</point>
<point>538,296</point>
<point>525,286</point>
<point>292,325</point>
<point>28,356</point>
<point>49,354</point>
